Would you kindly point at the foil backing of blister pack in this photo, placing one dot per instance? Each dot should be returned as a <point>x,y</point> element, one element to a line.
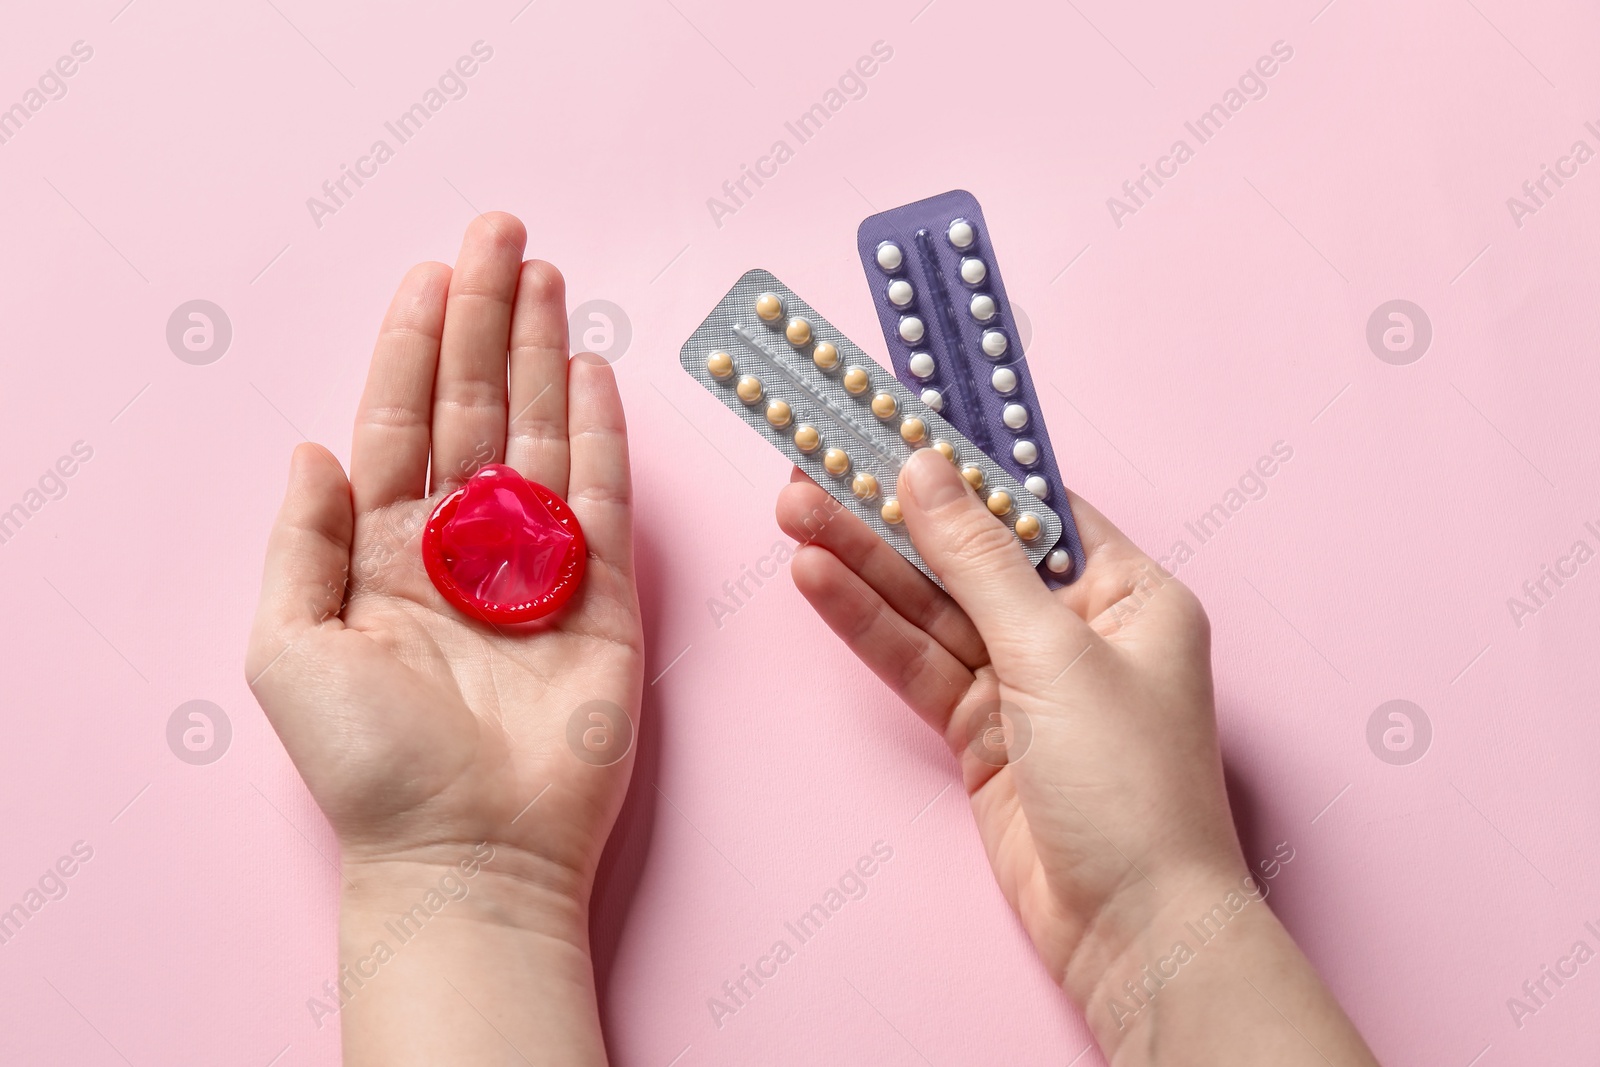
<point>876,443</point>
<point>952,338</point>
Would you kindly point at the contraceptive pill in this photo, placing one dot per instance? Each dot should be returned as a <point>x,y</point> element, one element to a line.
<point>844,420</point>
<point>967,360</point>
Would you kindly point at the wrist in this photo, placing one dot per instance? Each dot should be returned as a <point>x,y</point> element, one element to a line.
<point>474,953</point>
<point>1149,939</point>
<point>485,884</point>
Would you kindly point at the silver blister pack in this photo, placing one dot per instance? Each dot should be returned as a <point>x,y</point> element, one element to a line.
<point>840,417</point>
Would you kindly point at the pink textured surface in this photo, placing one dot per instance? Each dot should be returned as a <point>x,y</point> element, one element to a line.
<point>1227,314</point>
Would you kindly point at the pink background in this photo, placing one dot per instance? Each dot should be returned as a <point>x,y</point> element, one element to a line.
<point>1228,314</point>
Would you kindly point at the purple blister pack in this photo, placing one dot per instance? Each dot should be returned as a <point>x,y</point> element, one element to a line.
<point>953,339</point>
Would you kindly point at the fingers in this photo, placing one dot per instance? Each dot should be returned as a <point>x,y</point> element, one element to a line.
<point>601,490</point>
<point>918,668</point>
<point>389,456</point>
<point>1115,568</point>
<point>536,441</point>
<point>1099,534</point>
<point>308,557</point>
<point>809,515</point>
<point>978,558</point>
<point>469,394</point>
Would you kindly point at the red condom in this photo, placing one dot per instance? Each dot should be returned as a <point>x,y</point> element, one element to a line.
<point>504,549</point>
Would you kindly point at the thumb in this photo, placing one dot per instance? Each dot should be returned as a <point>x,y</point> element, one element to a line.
<point>976,556</point>
<point>308,558</point>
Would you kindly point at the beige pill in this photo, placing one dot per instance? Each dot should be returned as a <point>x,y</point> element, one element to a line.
<point>825,355</point>
<point>890,512</point>
<point>856,381</point>
<point>720,366</point>
<point>798,332</point>
<point>768,307</point>
<point>974,477</point>
<point>778,414</point>
<point>945,449</point>
<point>1028,526</point>
<point>749,389</point>
<point>913,430</point>
<point>999,502</point>
<point>864,486</point>
<point>806,438</point>
<point>884,406</point>
<point>836,461</point>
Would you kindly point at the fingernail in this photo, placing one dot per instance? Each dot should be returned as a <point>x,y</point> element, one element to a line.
<point>931,480</point>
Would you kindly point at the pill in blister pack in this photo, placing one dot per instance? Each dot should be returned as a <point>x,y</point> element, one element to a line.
<point>841,417</point>
<point>952,338</point>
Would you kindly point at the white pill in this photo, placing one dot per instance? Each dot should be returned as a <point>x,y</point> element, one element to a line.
<point>994,344</point>
<point>973,271</point>
<point>1036,485</point>
<point>933,399</point>
<point>899,292</point>
<point>889,257</point>
<point>982,306</point>
<point>1004,380</point>
<point>910,329</point>
<point>1059,561</point>
<point>1015,416</point>
<point>960,233</point>
<point>1025,452</point>
<point>921,364</point>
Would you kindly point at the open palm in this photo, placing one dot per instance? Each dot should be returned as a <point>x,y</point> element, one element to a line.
<point>418,730</point>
